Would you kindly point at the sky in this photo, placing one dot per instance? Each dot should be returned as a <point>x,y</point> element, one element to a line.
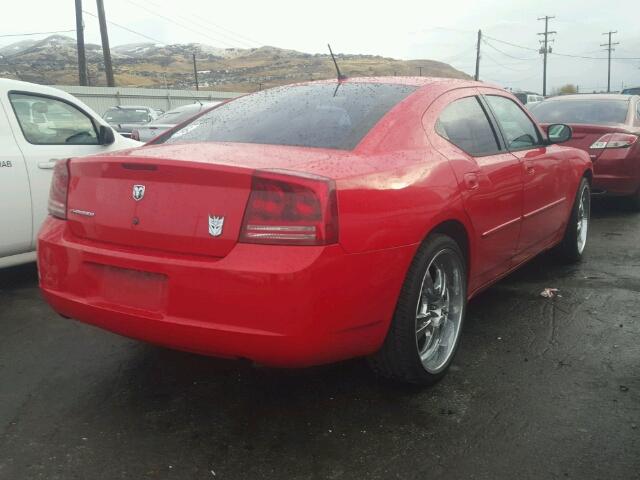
<point>427,29</point>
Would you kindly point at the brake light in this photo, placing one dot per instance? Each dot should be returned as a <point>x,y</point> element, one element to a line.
<point>614,140</point>
<point>290,210</point>
<point>135,135</point>
<point>59,190</point>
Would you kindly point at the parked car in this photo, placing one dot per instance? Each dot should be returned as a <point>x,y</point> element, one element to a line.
<point>316,222</point>
<point>607,128</point>
<point>169,120</point>
<point>38,126</point>
<point>529,99</point>
<point>631,91</point>
<point>127,117</point>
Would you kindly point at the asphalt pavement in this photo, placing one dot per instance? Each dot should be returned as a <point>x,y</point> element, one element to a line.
<point>540,389</point>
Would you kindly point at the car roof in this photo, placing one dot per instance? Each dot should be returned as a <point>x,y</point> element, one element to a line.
<point>412,81</point>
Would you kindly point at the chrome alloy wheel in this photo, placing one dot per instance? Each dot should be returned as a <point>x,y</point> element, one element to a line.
<point>584,213</point>
<point>440,309</point>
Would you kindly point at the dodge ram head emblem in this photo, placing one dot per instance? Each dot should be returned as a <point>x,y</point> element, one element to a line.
<point>138,192</point>
<point>215,225</point>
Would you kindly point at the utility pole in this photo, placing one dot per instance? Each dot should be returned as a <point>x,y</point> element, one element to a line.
<point>545,50</point>
<point>195,71</point>
<point>610,48</point>
<point>82,58</point>
<point>106,51</point>
<point>420,70</point>
<point>477,75</point>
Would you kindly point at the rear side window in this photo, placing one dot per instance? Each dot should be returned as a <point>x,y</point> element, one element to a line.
<point>465,124</point>
<point>127,115</point>
<point>583,111</point>
<point>519,131</point>
<point>49,121</point>
<point>324,115</point>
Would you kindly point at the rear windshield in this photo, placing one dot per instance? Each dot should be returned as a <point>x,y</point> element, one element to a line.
<point>324,115</point>
<point>596,112</point>
<point>175,117</point>
<point>127,115</point>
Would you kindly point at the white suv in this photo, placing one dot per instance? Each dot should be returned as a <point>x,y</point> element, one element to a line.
<point>38,126</point>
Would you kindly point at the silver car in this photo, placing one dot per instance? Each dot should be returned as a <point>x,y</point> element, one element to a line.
<point>168,120</point>
<point>124,118</point>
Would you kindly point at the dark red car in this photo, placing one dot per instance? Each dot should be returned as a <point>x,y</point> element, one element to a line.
<point>607,128</point>
<point>315,222</point>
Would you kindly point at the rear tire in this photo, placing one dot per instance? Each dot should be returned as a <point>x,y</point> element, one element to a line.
<point>571,249</point>
<point>424,334</point>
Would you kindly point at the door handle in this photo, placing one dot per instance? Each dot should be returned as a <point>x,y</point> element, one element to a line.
<point>48,164</point>
<point>530,169</point>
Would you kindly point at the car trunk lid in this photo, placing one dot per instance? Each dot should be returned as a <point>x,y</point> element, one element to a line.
<point>586,135</point>
<point>159,198</point>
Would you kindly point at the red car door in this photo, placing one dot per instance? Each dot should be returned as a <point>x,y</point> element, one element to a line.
<point>544,174</point>
<point>490,178</point>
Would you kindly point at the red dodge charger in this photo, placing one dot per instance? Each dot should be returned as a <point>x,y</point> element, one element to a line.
<point>316,222</point>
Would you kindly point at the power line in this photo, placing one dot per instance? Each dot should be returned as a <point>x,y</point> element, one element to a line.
<point>510,44</point>
<point>208,25</point>
<point>502,65</point>
<point>182,25</point>
<point>36,33</point>
<point>453,58</point>
<point>154,40</point>
<point>506,54</point>
<point>558,54</point>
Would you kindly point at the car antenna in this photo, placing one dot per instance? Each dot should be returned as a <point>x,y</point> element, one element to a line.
<point>340,76</point>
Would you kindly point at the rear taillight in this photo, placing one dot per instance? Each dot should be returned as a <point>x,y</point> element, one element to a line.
<point>614,140</point>
<point>59,190</point>
<point>135,135</point>
<point>291,210</point>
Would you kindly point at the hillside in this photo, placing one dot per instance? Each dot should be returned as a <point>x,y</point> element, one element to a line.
<point>53,61</point>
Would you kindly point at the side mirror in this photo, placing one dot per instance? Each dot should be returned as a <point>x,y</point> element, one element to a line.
<point>106,136</point>
<point>559,133</point>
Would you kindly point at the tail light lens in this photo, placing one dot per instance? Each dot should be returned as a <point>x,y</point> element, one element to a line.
<point>59,190</point>
<point>284,209</point>
<point>135,135</point>
<point>614,140</point>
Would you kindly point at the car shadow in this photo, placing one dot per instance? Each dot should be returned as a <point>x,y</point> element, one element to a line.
<point>20,276</point>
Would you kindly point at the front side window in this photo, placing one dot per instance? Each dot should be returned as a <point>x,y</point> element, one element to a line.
<point>49,121</point>
<point>465,124</point>
<point>323,115</point>
<point>519,131</point>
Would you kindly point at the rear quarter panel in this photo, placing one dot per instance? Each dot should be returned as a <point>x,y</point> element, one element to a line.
<point>403,189</point>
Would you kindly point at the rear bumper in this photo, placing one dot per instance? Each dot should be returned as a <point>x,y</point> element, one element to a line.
<point>280,306</point>
<point>616,173</point>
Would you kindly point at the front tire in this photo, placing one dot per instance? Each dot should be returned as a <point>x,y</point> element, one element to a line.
<point>424,333</point>
<point>571,249</point>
